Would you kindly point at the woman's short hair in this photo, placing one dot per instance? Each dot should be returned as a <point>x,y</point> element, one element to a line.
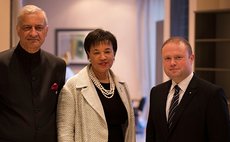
<point>99,36</point>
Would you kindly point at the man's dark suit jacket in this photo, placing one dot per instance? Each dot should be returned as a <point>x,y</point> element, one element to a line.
<point>202,115</point>
<point>29,89</point>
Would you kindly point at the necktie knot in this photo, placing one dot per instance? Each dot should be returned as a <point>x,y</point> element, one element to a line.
<point>177,89</point>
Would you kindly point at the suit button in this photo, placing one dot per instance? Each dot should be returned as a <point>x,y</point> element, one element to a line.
<point>38,128</point>
<point>36,110</point>
<point>34,78</point>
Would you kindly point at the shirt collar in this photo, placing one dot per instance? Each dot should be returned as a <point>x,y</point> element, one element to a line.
<point>184,83</point>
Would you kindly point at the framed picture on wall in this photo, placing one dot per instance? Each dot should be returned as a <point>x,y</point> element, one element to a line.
<point>71,42</point>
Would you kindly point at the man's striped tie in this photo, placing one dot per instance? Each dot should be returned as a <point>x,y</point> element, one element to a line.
<point>173,105</point>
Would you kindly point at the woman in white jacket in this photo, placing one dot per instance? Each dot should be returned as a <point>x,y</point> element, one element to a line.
<point>94,105</point>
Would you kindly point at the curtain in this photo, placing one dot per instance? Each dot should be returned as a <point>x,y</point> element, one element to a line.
<point>149,13</point>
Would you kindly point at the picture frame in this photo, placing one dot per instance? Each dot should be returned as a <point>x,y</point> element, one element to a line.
<point>71,42</point>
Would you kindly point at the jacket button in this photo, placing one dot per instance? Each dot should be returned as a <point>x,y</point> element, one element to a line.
<point>36,110</point>
<point>34,78</point>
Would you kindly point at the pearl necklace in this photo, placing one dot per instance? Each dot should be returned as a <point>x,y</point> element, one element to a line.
<point>107,93</point>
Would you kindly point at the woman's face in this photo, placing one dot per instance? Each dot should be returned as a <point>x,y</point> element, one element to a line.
<point>101,57</point>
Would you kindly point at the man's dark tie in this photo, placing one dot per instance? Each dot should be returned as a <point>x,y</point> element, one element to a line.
<point>173,105</point>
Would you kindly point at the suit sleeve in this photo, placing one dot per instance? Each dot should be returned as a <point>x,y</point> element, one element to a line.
<point>218,124</point>
<point>150,130</point>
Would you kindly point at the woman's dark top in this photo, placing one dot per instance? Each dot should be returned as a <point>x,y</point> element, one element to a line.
<point>115,113</point>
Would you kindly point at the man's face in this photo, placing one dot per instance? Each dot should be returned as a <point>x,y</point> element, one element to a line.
<point>176,61</point>
<point>32,31</point>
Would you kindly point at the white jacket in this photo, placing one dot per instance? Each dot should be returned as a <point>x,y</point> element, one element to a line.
<point>80,115</point>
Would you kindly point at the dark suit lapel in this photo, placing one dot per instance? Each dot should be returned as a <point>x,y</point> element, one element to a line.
<point>188,96</point>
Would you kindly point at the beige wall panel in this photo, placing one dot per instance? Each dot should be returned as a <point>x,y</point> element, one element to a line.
<point>224,4</point>
<point>5,24</point>
<point>212,4</point>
